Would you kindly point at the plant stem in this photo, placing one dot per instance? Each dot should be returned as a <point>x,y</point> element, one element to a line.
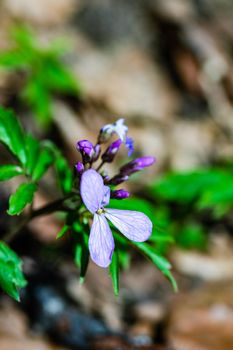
<point>45,210</point>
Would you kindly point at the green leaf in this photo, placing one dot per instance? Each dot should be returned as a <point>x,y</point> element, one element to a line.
<point>65,176</point>
<point>63,231</point>
<point>11,134</point>
<point>37,96</point>
<point>59,78</point>
<point>32,147</point>
<point>114,272</point>
<point>9,171</point>
<point>162,263</point>
<point>11,276</point>
<point>82,255</point>
<point>192,236</point>
<point>23,196</point>
<point>44,160</point>
<point>64,173</point>
<point>14,59</point>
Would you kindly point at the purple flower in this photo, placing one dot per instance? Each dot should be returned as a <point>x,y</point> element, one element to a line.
<point>86,148</point>
<point>111,151</point>
<point>136,165</point>
<point>132,224</point>
<point>108,130</point>
<point>79,167</point>
<point>120,194</point>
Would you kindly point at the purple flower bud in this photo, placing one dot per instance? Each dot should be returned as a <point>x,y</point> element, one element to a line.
<point>111,151</point>
<point>120,194</point>
<point>118,179</point>
<point>79,167</point>
<point>136,165</point>
<point>86,148</point>
<point>97,151</point>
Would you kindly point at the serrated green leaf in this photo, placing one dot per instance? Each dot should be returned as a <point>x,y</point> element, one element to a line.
<point>45,159</point>
<point>82,256</point>
<point>114,272</point>
<point>9,171</point>
<point>11,134</point>
<point>63,231</point>
<point>11,276</point>
<point>23,196</point>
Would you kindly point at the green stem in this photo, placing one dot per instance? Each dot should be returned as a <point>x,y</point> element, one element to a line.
<point>45,210</point>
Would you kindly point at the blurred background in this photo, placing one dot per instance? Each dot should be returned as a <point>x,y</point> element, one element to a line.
<point>67,67</point>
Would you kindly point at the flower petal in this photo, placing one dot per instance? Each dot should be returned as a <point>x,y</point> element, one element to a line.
<point>106,198</point>
<point>133,224</point>
<point>101,243</point>
<point>92,190</point>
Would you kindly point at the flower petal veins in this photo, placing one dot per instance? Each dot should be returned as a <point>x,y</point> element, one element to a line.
<point>101,243</point>
<point>92,190</point>
<point>135,225</point>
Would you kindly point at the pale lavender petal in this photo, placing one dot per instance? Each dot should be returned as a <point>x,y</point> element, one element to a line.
<point>133,224</point>
<point>101,243</point>
<point>92,190</point>
<point>106,198</point>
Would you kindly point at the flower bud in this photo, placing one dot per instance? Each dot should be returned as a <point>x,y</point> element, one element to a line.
<point>79,167</point>
<point>111,151</point>
<point>86,149</point>
<point>97,151</point>
<point>136,165</point>
<point>120,194</point>
<point>108,130</point>
<point>118,179</point>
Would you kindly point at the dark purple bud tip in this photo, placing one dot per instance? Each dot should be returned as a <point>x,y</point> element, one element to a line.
<point>86,148</point>
<point>118,179</point>
<point>79,167</point>
<point>120,194</point>
<point>137,165</point>
<point>111,151</point>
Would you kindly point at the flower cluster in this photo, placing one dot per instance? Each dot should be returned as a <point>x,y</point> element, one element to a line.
<point>96,189</point>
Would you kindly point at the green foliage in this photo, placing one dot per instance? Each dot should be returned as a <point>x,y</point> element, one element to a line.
<point>46,74</point>
<point>82,254</point>
<point>9,171</point>
<point>184,198</point>
<point>11,276</point>
<point>192,235</point>
<point>64,173</point>
<point>23,196</point>
<point>205,188</point>
<point>33,157</point>
<point>114,271</point>
<point>11,135</point>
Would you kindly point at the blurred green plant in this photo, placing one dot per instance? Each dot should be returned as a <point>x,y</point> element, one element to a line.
<point>45,74</point>
<point>191,200</point>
